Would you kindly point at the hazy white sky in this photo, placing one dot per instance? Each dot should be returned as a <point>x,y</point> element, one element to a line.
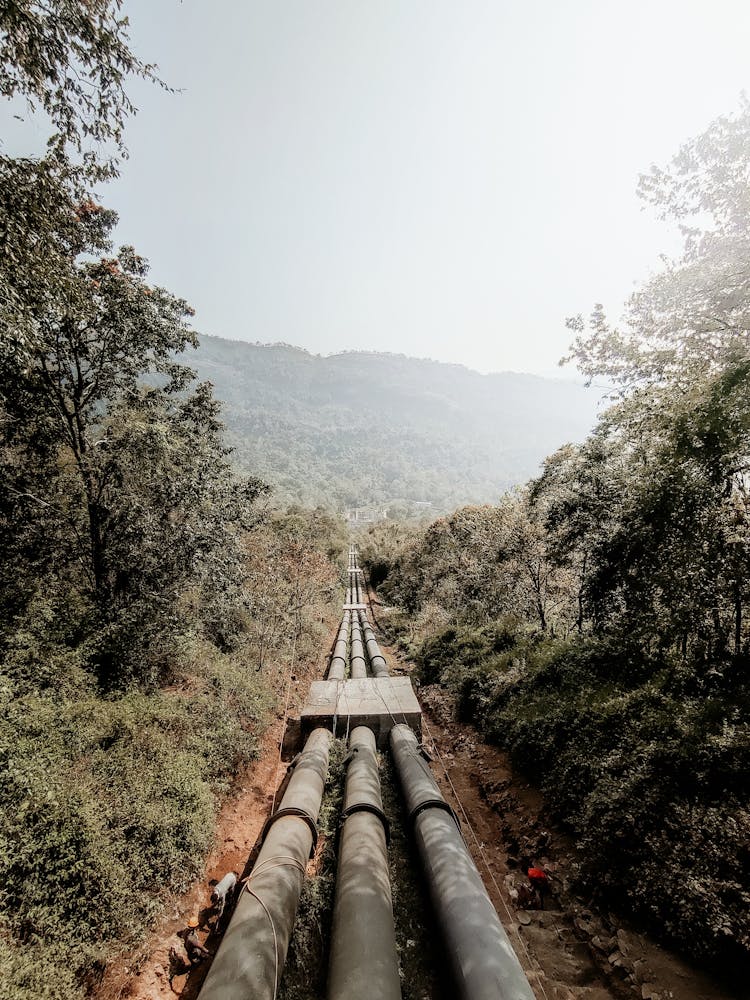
<point>445,179</point>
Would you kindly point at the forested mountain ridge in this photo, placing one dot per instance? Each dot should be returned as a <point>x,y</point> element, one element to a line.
<point>363,427</point>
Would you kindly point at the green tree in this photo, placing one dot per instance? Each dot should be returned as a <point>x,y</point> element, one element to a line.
<point>115,475</point>
<point>675,564</point>
<point>72,60</point>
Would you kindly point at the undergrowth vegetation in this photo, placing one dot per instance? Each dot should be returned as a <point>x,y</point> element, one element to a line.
<point>646,764</point>
<point>108,806</point>
<point>109,799</point>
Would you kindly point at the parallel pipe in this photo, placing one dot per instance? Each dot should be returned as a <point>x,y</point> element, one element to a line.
<point>337,666</point>
<point>358,663</point>
<point>364,963</point>
<point>483,963</point>
<point>251,957</point>
<point>378,665</point>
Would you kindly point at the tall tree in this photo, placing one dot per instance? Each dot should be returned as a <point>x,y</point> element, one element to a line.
<point>72,60</point>
<point>115,478</point>
<point>676,562</point>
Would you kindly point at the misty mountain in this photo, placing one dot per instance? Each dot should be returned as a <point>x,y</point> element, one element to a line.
<point>363,427</point>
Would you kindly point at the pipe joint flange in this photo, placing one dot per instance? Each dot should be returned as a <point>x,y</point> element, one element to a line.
<point>300,814</point>
<point>369,807</point>
<point>435,804</point>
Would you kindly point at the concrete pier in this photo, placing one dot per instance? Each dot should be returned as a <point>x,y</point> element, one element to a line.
<point>376,702</point>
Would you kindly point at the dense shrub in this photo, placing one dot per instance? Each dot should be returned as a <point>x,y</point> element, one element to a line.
<point>447,654</point>
<point>650,778</point>
<point>107,806</point>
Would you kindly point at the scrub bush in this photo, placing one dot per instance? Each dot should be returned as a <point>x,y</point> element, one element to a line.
<point>644,760</point>
<point>107,806</point>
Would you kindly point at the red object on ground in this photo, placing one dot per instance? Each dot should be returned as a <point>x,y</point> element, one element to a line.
<point>536,874</point>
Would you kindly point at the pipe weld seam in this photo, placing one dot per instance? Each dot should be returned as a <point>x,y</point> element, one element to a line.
<point>434,804</point>
<point>369,807</point>
<point>278,861</point>
<point>300,814</point>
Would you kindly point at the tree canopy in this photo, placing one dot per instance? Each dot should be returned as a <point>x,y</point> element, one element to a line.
<point>595,623</point>
<point>72,60</point>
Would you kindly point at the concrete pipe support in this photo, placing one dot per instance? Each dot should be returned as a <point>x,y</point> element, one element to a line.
<point>250,960</point>
<point>364,962</point>
<point>481,958</point>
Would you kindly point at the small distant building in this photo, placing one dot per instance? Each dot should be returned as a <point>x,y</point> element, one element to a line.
<point>365,515</point>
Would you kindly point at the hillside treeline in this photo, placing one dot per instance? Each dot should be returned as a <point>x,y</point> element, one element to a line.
<point>363,428</point>
<point>596,622</point>
<point>150,602</point>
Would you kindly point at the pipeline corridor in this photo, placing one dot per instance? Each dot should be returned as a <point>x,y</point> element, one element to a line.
<point>359,696</point>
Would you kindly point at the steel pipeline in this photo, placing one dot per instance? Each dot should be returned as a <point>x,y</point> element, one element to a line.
<point>337,666</point>
<point>378,665</point>
<point>358,663</point>
<point>251,957</point>
<point>481,957</point>
<point>364,962</point>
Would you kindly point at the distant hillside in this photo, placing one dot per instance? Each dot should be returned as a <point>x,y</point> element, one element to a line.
<point>364,427</point>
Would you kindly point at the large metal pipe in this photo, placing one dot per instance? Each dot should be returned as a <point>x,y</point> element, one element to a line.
<point>337,666</point>
<point>363,962</point>
<point>251,957</point>
<point>483,963</point>
<point>378,665</point>
<point>358,663</point>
